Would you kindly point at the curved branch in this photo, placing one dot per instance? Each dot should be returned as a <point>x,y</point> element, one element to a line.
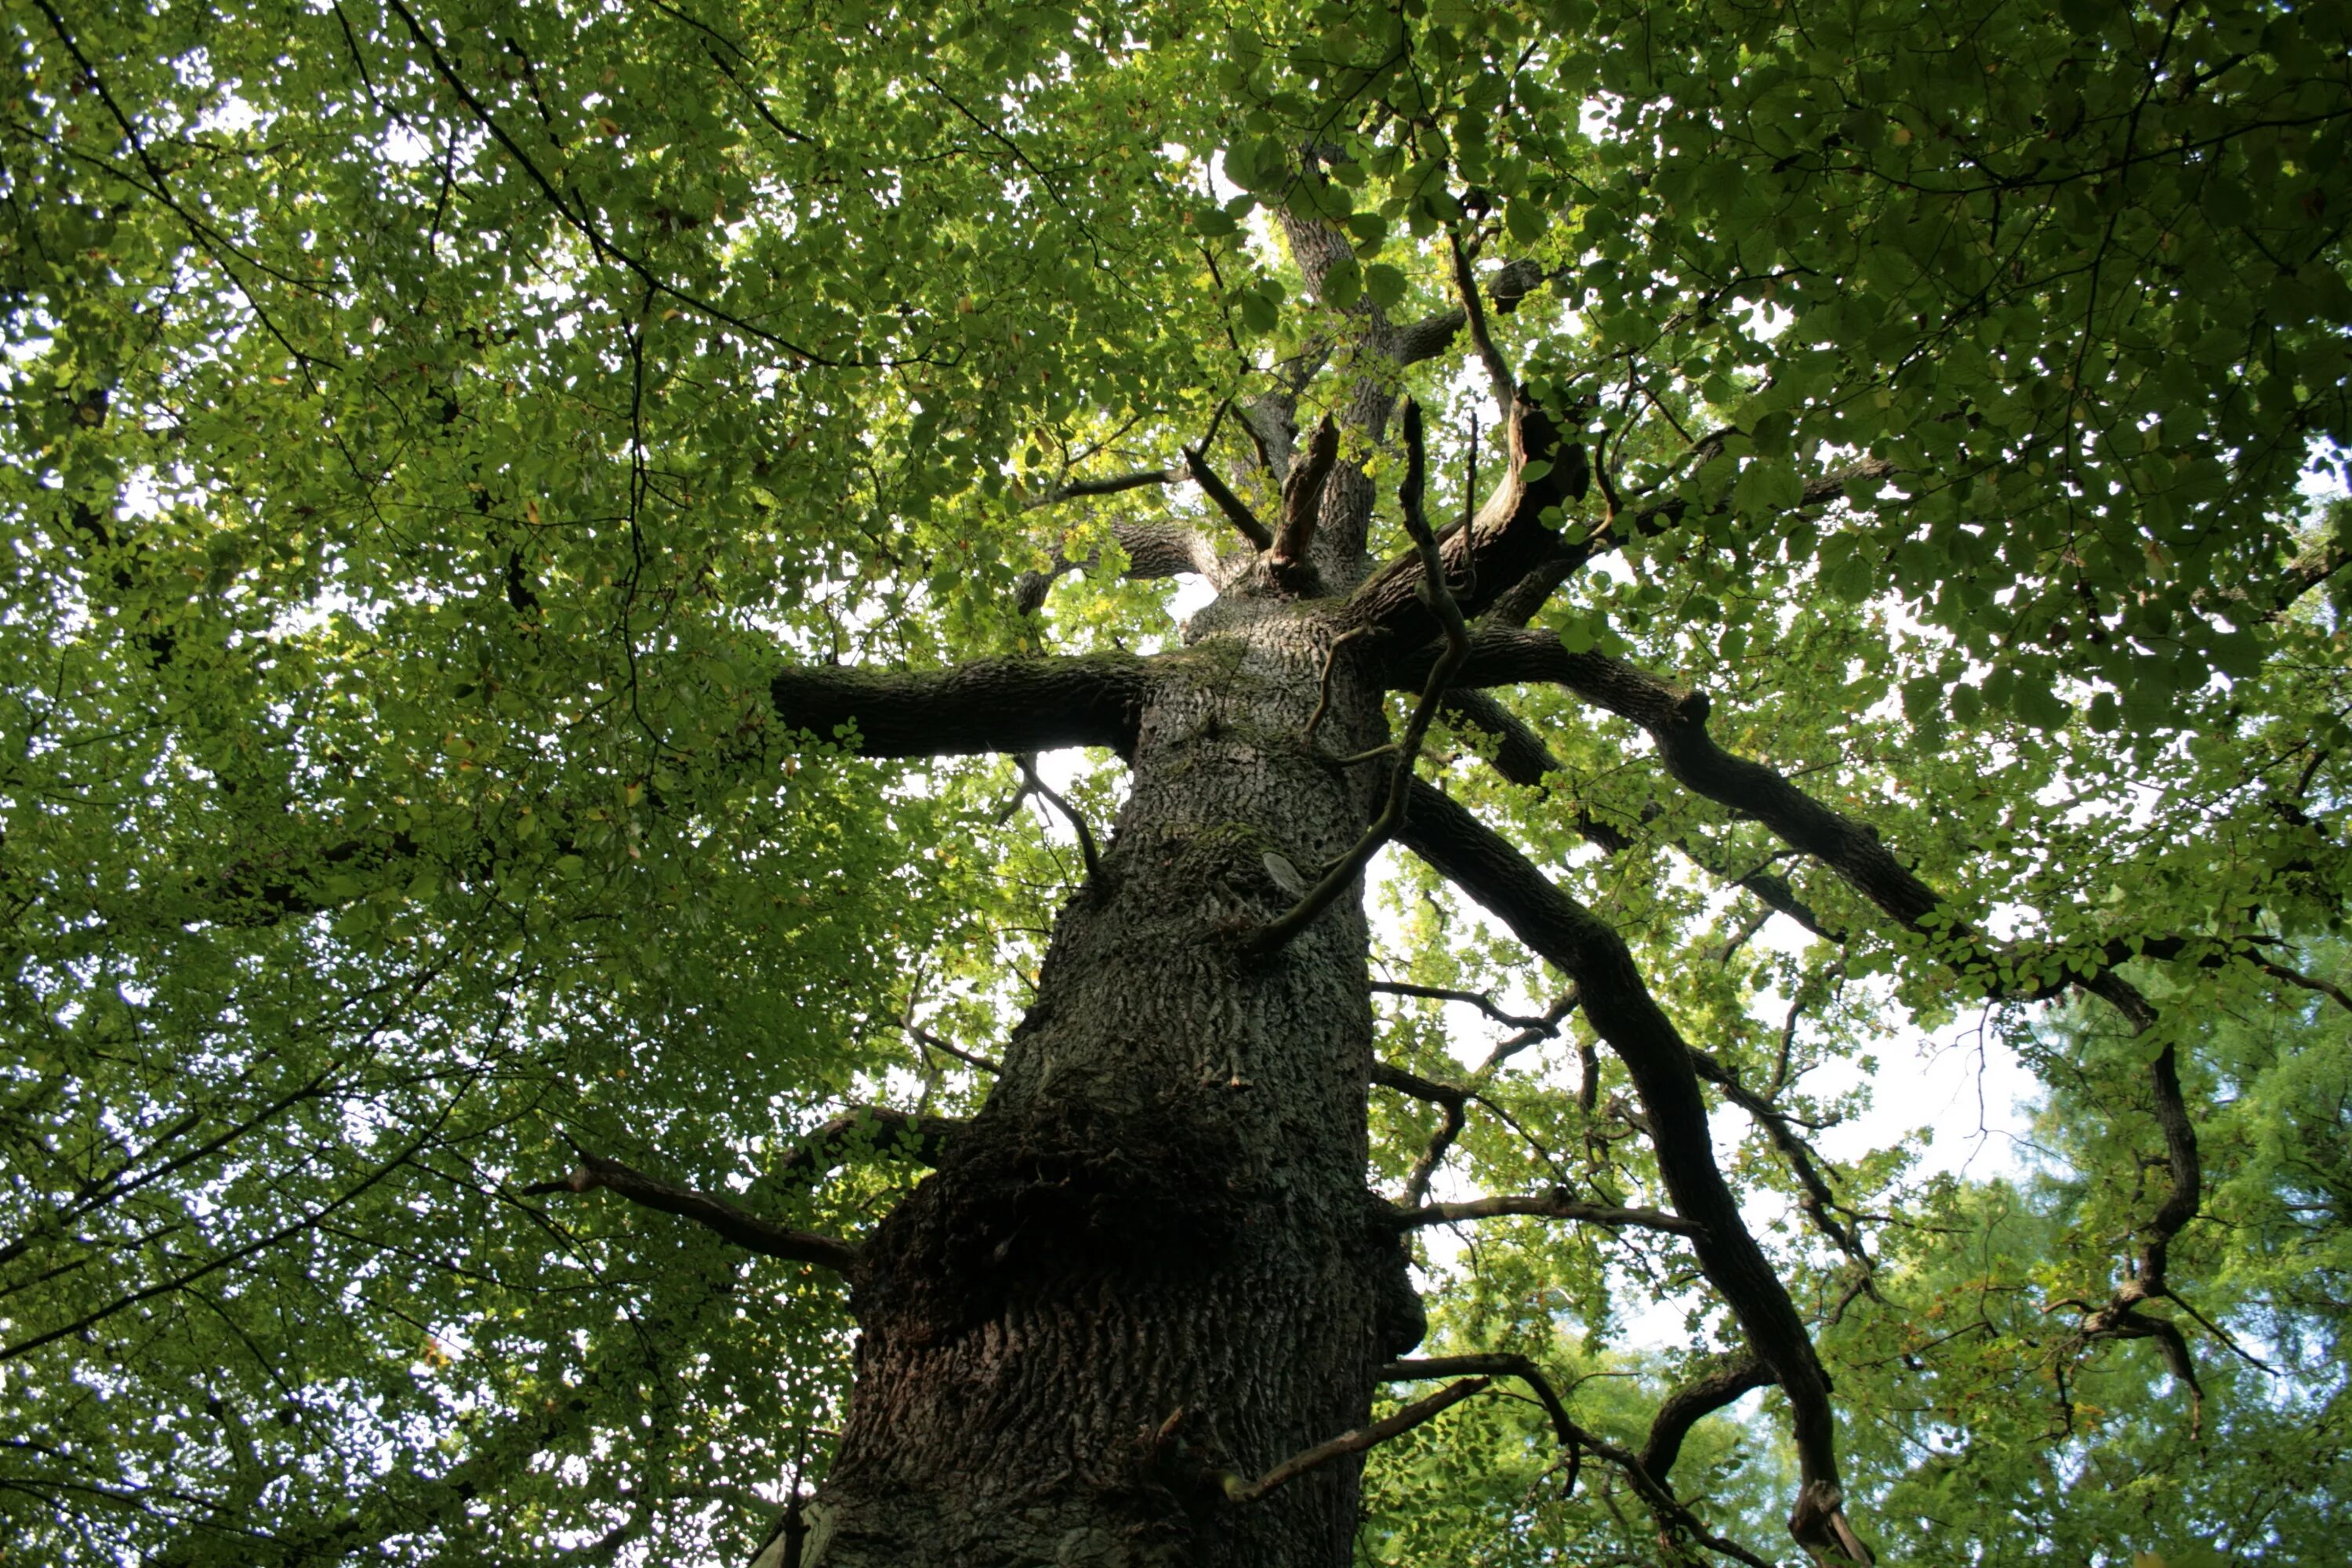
<point>1478,999</point>
<point>1628,1017</point>
<point>1686,1407</point>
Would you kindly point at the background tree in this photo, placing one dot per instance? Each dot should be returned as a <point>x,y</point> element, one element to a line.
<point>545,543</point>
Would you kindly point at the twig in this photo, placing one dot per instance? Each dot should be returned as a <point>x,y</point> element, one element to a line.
<point>1037,786</point>
<point>744,1229</point>
<point>1554,1205</point>
<point>1354,1442</point>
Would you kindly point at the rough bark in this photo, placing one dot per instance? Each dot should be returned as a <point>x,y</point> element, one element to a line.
<point>1151,1261</point>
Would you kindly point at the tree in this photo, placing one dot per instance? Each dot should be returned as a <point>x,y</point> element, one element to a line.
<point>547,543</point>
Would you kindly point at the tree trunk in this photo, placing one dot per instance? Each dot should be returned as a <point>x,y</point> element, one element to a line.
<point>1152,1262</point>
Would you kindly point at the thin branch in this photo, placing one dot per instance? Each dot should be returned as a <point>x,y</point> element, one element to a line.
<point>1108,485</point>
<point>1355,1442</point>
<point>1555,1204</point>
<point>1237,512</point>
<point>927,1039</point>
<point>746,1230</point>
<point>1478,999</point>
<point>598,242</point>
<point>1576,1439</point>
<point>1342,873</point>
<point>2327,988</point>
<point>1465,284</point>
<point>1039,787</point>
<point>1323,688</point>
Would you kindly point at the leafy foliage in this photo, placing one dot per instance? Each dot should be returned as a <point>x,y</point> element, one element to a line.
<point>430,427</point>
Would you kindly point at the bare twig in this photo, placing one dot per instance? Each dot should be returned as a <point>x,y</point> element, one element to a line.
<point>1027,763</point>
<point>1355,1442</point>
<point>1554,1205</point>
<point>744,1229</point>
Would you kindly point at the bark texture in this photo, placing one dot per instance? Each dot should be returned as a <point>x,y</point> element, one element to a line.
<point>1151,1261</point>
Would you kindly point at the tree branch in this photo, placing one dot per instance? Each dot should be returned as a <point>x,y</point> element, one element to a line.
<point>1108,485</point>
<point>1506,538</point>
<point>1554,1205</point>
<point>989,705</point>
<point>1478,999</point>
<point>1465,286</point>
<point>1354,1442</point>
<point>746,1230</point>
<point>1302,498</point>
<point>1196,463</point>
<point>1686,1407</point>
<point>1619,1004</point>
<point>1154,550</point>
<point>1342,873</point>
<point>1650,1484</point>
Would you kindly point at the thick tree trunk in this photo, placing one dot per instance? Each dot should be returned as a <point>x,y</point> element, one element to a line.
<point>1152,1261</point>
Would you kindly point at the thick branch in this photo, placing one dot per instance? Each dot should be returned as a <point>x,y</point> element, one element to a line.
<point>1509,537</point>
<point>1433,335</point>
<point>746,1230</point>
<point>989,705</point>
<point>1686,1407</point>
<point>1302,500</point>
<point>1521,757</point>
<point>1554,1205</point>
<point>1354,1442</point>
<point>1153,549</point>
<point>1623,1013</point>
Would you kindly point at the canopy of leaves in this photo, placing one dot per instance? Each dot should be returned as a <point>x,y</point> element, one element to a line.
<point>430,423</point>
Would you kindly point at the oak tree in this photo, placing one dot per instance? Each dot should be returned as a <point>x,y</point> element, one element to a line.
<point>559,1006</point>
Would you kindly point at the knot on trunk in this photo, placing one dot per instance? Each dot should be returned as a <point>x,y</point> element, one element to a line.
<point>1050,1200</point>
